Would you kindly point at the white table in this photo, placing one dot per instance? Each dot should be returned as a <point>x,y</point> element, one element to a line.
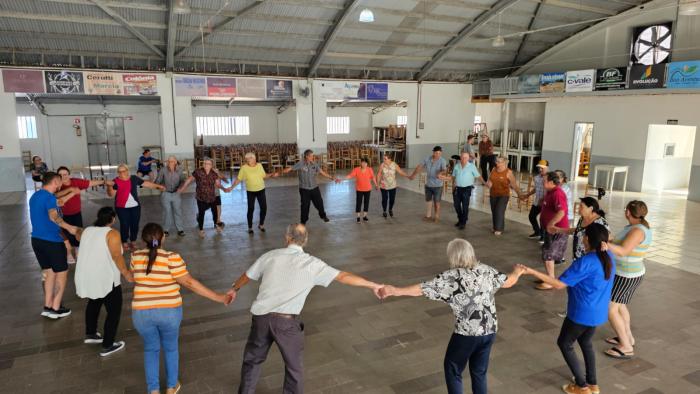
<point>611,170</point>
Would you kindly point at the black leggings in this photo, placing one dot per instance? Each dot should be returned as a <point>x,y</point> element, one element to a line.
<point>202,209</point>
<point>113,304</point>
<point>262,202</point>
<point>359,197</point>
<point>388,196</point>
<point>570,333</point>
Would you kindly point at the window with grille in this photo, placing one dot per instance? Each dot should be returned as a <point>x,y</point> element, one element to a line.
<point>338,125</point>
<point>402,120</point>
<point>223,125</point>
<point>26,125</point>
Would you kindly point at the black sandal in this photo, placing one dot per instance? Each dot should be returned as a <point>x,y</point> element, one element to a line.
<point>619,354</point>
<point>613,341</point>
<point>250,231</point>
<point>261,228</point>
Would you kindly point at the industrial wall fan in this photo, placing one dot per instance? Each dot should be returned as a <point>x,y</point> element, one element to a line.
<point>651,44</point>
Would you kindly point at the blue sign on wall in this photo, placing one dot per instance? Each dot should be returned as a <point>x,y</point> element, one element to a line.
<point>377,91</point>
<point>683,75</point>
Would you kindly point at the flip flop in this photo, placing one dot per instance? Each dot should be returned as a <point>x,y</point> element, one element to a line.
<point>614,341</point>
<point>618,354</point>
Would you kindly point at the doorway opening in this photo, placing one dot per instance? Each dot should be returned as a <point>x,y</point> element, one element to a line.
<point>106,144</point>
<point>583,139</point>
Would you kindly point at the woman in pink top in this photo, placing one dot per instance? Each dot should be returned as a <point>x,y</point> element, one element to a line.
<point>364,176</point>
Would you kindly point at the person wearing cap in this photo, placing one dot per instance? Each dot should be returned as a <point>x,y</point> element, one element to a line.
<point>536,208</point>
<point>486,156</point>
<point>552,218</point>
<point>435,167</point>
<point>463,177</point>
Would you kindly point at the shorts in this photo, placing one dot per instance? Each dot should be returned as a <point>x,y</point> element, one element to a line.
<point>73,220</point>
<point>624,288</point>
<point>554,246</point>
<point>218,200</point>
<point>50,255</point>
<point>145,172</point>
<point>433,194</point>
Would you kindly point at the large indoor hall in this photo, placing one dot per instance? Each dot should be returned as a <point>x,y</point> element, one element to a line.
<point>349,196</point>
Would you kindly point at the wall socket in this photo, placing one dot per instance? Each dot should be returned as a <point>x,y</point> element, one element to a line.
<point>421,125</point>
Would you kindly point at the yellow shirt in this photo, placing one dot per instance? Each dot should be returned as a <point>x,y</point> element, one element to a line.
<point>254,177</point>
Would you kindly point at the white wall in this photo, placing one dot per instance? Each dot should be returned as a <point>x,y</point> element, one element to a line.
<point>388,116</point>
<point>526,116</point>
<point>490,114</point>
<point>266,126</point>
<point>360,124</point>
<point>661,173</point>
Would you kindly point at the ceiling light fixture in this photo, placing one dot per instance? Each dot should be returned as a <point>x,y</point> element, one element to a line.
<point>366,16</point>
<point>498,41</point>
<point>689,8</point>
<point>181,7</point>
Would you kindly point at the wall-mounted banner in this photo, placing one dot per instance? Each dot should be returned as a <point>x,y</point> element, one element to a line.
<point>683,75</point>
<point>23,81</point>
<point>528,84</point>
<point>647,77</point>
<point>580,81</point>
<point>343,90</point>
<point>221,87</point>
<point>190,86</point>
<point>552,82</point>
<point>64,82</point>
<point>614,78</point>
<point>376,90</point>
<point>278,89</point>
<point>253,88</point>
<point>102,83</point>
<point>139,84</point>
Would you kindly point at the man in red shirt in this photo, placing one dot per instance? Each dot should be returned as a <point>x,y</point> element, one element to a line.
<point>554,215</point>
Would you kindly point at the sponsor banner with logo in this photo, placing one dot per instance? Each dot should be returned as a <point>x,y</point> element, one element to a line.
<point>190,86</point>
<point>253,88</point>
<point>64,82</point>
<point>552,82</point>
<point>221,87</point>
<point>343,90</point>
<point>683,75</point>
<point>613,78</point>
<point>377,91</point>
<point>139,84</point>
<point>528,84</point>
<point>278,89</point>
<point>103,83</point>
<point>23,81</point>
<point>647,77</point>
<point>580,80</point>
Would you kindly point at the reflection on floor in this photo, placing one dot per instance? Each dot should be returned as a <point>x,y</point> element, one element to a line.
<point>354,344</point>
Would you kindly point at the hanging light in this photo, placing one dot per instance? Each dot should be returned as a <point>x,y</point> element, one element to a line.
<point>498,41</point>
<point>181,7</point>
<point>689,8</point>
<point>366,16</point>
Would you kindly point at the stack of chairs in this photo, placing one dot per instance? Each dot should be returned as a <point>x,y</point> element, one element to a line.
<point>347,154</point>
<point>231,157</point>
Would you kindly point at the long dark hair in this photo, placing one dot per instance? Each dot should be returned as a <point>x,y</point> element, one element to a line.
<point>105,216</point>
<point>152,235</point>
<point>593,204</point>
<point>597,234</point>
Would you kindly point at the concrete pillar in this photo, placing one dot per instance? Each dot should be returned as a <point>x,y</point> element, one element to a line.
<point>11,166</point>
<point>177,122</point>
<point>310,118</point>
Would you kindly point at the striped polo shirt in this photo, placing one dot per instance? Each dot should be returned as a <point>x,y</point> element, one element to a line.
<point>632,265</point>
<point>158,289</point>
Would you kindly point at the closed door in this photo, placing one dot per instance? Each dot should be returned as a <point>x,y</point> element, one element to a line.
<point>106,140</point>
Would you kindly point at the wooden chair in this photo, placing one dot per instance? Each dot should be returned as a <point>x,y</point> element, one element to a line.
<point>355,157</point>
<point>346,158</point>
<point>327,165</point>
<point>275,163</point>
<point>421,180</point>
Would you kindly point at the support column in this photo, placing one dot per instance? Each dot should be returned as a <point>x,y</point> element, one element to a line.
<point>311,118</point>
<point>11,166</point>
<point>177,122</point>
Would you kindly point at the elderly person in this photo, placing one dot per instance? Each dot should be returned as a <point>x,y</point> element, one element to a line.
<point>364,176</point>
<point>309,192</point>
<point>435,167</point>
<point>630,246</point>
<point>38,168</point>
<point>588,283</point>
<point>208,180</point>
<point>386,177</point>
<point>469,288</point>
<point>463,177</point>
<point>553,218</point>
<point>254,175</point>
<point>487,159</point>
<point>287,276</point>
<point>589,212</point>
<point>500,184</point>
<point>172,178</point>
<point>125,190</point>
<point>536,208</point>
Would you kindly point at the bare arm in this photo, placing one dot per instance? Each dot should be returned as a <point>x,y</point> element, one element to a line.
<point>379,173</point>
<point>418,168</point>
<point>401,172</point>
<point>409,291</point>
<point>152,185</point>
<point>237,285</point>
<point>185,184</point>
<point>350,279</point>
<point>551,226</point>
<point>53,215</point>
<point>66,195</point>
<point>97,182</point>
<point>631,241</point>
<point>513,184</point>
<point>554,282</point>
<point>325,174</point>
<point>114,242</point>
<point>110,189</point>
<point>287,170</point>
<point>513,277</point>
<point>196,286</point>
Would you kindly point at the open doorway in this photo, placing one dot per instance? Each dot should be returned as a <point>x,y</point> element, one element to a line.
<point>581,161</point>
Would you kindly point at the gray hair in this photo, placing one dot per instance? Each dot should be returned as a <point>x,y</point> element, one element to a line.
<point>297,234</point>
<point>460,254</point>
<point>207,159</point>
<point>250,155</point>
<point>502,158</point>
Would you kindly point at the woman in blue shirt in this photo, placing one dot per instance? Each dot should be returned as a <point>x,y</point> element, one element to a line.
<point>588,283</point>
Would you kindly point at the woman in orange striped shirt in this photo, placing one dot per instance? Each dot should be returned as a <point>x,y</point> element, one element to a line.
<point>157,304</point>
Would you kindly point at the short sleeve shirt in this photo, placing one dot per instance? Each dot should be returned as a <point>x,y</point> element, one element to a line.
<point>171,180</point>
<point>254,177</point>
<point>307,174</point>
<point>73,206</point>
<point>471,295</point>
<point>158,288</point>
<point>206,185</point>
<point>389,176</point>
<point>142,163</point>
<point>579,249</point>
<point>589,292</point>
<point>363,179</point>
<point>43,227</point>
<point>554,201</point>
<point>127,192</point>
<point>432,169</point>
<point>539,189</point>
<point>465,176</point>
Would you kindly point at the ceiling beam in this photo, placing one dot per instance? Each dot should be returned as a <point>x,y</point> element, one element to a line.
<point>331,34</point>
<point>578,7</point>
<point>530,25</point>
<point>117,17</point>
<point>172,35</point>
<point>467,31</point>
<point>219,26</point>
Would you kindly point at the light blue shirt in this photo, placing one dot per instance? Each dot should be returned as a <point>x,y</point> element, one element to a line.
<point>432,169</point>
<point>465,176</point>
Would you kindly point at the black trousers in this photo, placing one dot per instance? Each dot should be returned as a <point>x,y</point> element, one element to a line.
<point>288,334</point>
<point>202,208</point>
<point>572,332</point>
<point>73,220</point>
<point>113,304</point>
<point>487,161</point>
<point>461,198</point>
<point>129,219</point>
<point>262,202</point>
<point>534,222</point>
<point>388,197</point>
<point>309,196</point>
<point>498,212</point>
<point>463,350</point>
<point>362,201</point>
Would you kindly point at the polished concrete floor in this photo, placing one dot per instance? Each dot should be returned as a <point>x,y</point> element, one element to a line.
<point>353,342</point>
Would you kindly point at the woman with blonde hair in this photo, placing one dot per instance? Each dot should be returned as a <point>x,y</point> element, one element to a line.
<point>386,178</point>
<point>254,175</point>
<point>468,287</point>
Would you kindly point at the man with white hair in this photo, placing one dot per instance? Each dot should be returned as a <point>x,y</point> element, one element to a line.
<point>171,177</point>
<point>464,175</point>
<point>287,276</point>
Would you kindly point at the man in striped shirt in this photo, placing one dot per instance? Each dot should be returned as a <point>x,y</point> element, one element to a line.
<point>287,276</point>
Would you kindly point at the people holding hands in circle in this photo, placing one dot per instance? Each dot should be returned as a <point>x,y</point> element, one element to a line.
<point>364,177</point>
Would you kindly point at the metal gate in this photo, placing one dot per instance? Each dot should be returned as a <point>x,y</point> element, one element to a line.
<point>105,140</point>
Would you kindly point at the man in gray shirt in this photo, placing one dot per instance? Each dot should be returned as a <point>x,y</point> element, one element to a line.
<point>172,178</point>
<point>435,167</point>
<point>308,185</point>
<point>287,276</point>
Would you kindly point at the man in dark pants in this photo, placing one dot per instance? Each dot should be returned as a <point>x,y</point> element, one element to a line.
<point>287,276</point>
<point>536,208</point>
<point>308,185</point>
<point>463,176</point>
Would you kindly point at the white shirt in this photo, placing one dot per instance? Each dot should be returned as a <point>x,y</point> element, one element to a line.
<point>96,274</point>
<point>287,276</point>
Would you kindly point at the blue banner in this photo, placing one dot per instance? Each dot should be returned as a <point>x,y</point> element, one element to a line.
<point>377,91</point>
<point>683,75</point>
<point>190,86</point>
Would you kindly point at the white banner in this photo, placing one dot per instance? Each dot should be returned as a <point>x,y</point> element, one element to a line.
<point>342,90</point>
<point>580,81</point>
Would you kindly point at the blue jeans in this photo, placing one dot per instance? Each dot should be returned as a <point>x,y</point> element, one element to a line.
<point>159,327</point>
<point>462,350</point>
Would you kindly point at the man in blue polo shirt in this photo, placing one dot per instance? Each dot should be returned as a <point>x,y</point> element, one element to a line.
<point>463,176</point>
